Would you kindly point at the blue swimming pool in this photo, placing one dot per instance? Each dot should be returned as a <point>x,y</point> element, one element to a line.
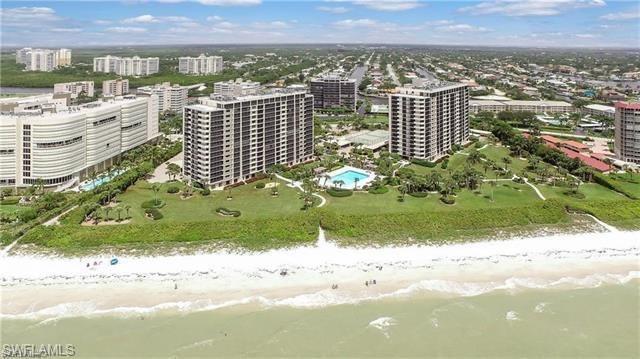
<point>90,185</point>
<point>349,178</point>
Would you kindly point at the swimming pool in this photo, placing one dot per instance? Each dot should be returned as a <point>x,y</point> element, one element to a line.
<point>89,185</point>
<point>348,177</point>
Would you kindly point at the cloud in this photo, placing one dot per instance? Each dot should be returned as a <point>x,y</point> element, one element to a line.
<point>529,7</point>
<point>142,19</point>
<point>230,2</point>
<point>353,23</point>
<point>124,29</point>
<point>632,14</point>
<point>226,25</point>
<point>587,36</point>
<point>214,18</point>
<point>389,5</point>
<point>66,29</point>
<point>333,9</point>
<point>461,28</point>
<point>28,16</point>
<point>439,22</point>
<point>271,25</point>
<point>102,22</point>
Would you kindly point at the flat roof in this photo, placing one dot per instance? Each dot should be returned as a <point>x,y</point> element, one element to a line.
<point>537,103</point>
<point>601,108</point>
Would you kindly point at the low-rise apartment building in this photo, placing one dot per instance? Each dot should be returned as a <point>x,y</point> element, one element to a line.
<point>116,87</point>
<point>228,139</point>
<point>170,98</point>
<point>74,88</point>
<point>236,88</point>
<point>599,110</point>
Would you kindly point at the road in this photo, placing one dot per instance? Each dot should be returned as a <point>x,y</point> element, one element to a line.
<point>426,74</point>
<point>393,75</point>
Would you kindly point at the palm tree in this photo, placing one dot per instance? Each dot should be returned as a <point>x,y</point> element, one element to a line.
<point>119,211</point>
<point>325,177</point>
<point>486,166</point>
<point>40,185</point>
<point>155,188</point>
<point>493,186</point>
<point>127,208</point>
<point>474,158</point>
<point>173,170</point>
<point>338,183</point>
<point>403,188</point>
<point>506,161</point>
<point>355,182</point>
<point>106,212</point>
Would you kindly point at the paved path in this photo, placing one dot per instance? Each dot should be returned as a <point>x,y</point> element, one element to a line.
<point>56,220</point>
<point>534,188</point>
<point>160,173</point>
<point>608,227</point>
<point>297,185</point>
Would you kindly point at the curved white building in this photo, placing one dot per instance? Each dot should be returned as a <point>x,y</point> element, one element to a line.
<point>68,144</point>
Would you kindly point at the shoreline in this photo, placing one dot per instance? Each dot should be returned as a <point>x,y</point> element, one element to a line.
<point>36,286</point>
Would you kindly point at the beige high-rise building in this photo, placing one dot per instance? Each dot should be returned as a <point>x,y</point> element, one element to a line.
<point>117,87</point>
<point>170,98</point>
<point>127,66</point>
<point>426,122</point>
<point>230,139</point>
<point>74,88</point>
<point>627,132</point>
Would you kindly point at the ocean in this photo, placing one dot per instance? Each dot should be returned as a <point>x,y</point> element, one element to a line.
<point>599,321</point>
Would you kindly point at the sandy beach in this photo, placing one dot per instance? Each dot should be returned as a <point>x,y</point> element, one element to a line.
<point>41,287</point>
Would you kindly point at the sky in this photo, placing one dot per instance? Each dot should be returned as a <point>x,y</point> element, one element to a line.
<point>545,23</point>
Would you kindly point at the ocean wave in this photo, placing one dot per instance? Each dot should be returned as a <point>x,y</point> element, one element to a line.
<point>324,298</point>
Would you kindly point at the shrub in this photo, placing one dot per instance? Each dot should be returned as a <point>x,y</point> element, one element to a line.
<point>152,204</point>
<point>154,213</point>
<point>447,199</point>
<point>27,214</point>
<point>10,201</point>
<point>612,184</point>
<point>205,192</point>
<point>339,192</point>
<point>444,164</point>
<point>423,163</point>
<point>227,212</point>
<point>518,180</point>
<point>419,194</point>
<point>173,189</point>
<point>378,190</point>
<point>260,185</point>
<point>574,194</point>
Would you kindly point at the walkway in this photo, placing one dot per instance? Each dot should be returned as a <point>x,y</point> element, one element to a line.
<point>160,173</point>
<point>297,185</point>
<point>56,220</point>
<point>534,188</point>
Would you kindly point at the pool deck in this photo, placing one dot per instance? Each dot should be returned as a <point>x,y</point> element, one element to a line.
<point>364,182</point>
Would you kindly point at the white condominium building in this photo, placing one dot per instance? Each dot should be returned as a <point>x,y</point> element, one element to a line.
<point>43,59</point>
<point>230,139</point>
<point>627,132</point>
<point>67,144</point>
<point>117,87</point>
<point>236,88</point>
<point>425,122</point>
<point>599,110</point>
<point>201,65</point>
<point>74,88</point>
<point>170,98</point>
<point>549,107</point>
<point>127,66</point>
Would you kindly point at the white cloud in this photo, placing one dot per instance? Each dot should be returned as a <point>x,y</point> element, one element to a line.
<point>124,29</point>
<point>226,25</point>
<point>632,14</point>
<point>66,29</point>
<point>231,2</point>
<point>271,25</point>
<point>28,16</point>
<point>333,9</point>
<point>389,5</point>
<point>439,22</point>
<point>353,23</point>
<point>587,36</point>
<point>102,22</point>
<point>529,7</point>
<point>142,19</point>
<point>214,18</point>
<point>461,28</point>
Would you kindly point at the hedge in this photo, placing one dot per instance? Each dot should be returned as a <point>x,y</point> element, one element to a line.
<point>419,194</point>
<point>339,192</point>
<point>152,204</point>
<point>424,163</point>
<point>205,192</point>
<point>154,213</point>
<point>379,190</point>
<point>227,212</point>
<point>10,201</point>
<point>618,210</point>
<point>447,199</point>
<point>260,185</point>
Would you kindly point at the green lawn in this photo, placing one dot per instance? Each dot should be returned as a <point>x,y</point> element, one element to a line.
<point>506,194</point>
<point>253,203</point>
<point>592,192</point>
<point>9,209</point>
